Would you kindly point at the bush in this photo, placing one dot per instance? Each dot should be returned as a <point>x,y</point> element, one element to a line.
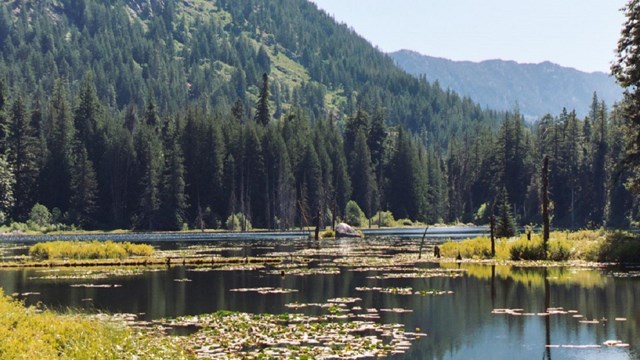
<point>40,215</point>
<point>620,247</point>
<point>354,215</point>
<point>234,222</point>
<point>524,249</point>
<point>405,222</point>
<point>327,234</point>
<point>383,219</point>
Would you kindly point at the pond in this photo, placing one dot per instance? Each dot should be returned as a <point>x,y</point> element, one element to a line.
<point>467,310</point>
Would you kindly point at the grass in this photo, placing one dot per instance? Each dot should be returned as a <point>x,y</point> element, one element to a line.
<point>28,333</point>
<point>588,245</point>
<point>85,250</point>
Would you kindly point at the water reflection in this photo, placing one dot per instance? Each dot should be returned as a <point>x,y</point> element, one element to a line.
<point>460,325</point>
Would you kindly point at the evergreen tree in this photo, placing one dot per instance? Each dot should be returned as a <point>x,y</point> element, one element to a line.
<point>83,188</point>
<point>7,182</point>
<point>173,201</point>
<point>506,225</point>
<point>150,167</point>
<point>626,70</point>
<point>362,176</point>
<point>263,112</point>
<point>22,157</point>
<point>5,129</point>
<point>55,178</point>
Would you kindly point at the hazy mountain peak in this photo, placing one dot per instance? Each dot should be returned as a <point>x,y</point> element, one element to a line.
<point>501,84</point>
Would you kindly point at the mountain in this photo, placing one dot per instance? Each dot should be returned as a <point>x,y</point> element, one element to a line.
<point>212,52</point>
<point>537,89</point>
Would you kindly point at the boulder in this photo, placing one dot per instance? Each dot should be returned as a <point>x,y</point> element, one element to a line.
<point>345,230</point>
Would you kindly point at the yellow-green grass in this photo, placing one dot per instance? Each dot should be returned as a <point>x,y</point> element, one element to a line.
<point>588,245</point>
<point>84,250</point>
<point>28,333</point>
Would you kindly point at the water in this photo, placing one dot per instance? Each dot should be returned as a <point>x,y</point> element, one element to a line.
<point>459,326</point>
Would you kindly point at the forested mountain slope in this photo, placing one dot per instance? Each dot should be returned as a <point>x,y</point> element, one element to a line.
<point>163,114</point>
<point>211,53</point>
<point>538,89</point>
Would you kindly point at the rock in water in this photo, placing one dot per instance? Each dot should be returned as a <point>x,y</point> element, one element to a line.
<point>345,230</point>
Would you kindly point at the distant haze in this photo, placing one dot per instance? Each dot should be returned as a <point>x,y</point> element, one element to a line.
<point>537,89</point>
<point>574,33</point>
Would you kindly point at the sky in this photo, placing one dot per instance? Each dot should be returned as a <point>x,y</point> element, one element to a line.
<point>574,33</point>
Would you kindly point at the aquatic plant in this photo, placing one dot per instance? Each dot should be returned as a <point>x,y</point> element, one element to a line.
<point>82,250</point>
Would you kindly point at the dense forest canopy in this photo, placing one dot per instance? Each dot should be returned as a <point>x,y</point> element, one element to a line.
<point>155,114</point>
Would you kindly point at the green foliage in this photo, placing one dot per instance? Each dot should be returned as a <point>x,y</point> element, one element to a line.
<point>83,250</point>
<point>621,247</point>
<point>482,215</point>
<point>7,181</point>
<point>506,224</point>
<point>30,333</point>
<point>238,222</point>
<point>625,69</point>
<point>477,248</point>
<point>354,215</point>
<point>383,219</point>
<point>40,215</point>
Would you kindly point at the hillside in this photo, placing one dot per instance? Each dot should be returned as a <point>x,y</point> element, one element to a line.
<point>538,89</point>
<point>212,52</point>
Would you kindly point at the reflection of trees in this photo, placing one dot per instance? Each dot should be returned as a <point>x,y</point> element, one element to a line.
<point>547,319</point>
<point>535,277</point>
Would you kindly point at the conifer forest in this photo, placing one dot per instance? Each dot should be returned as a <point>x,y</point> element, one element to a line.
<point>163,115</point>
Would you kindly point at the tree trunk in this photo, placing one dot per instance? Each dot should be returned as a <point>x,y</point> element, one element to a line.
<point>545,202</point>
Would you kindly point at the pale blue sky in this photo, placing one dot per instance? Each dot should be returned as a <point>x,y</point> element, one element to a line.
<point>574,33</point>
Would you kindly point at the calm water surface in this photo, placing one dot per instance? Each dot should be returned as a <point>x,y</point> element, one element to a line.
<point>459,326</point>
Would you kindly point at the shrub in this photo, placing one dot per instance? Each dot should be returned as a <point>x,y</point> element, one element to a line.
<point>621,247</point>
<point>327,234</point>
<point>524,249</point>
<point>234,222</point>
<point>40,215</point>
<point>354,215</point>
<point>405,222</point>
<point>383,219</point>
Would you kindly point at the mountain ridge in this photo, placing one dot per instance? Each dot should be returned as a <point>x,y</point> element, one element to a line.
<point>536,88</point>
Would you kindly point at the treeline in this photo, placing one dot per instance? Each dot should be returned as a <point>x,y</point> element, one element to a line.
<point>147,170</point>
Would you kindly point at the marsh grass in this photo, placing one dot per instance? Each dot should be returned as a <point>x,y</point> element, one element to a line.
<point>588,245</point>
<point>86,250</point>
<point>28,333</point>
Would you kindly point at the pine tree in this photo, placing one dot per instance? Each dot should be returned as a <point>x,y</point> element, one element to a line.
<point>84,187</point>
<point>150,166</point>
<point>362,176</point>
<point>506,225</point>
<point>7,182</point>
<point>263,112</point>
<point>4,121</point>
<point>87,117</point>
<point>626,70</point>
<point>55,179</point>
<point>173,201</point>
<point>22,157</point>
